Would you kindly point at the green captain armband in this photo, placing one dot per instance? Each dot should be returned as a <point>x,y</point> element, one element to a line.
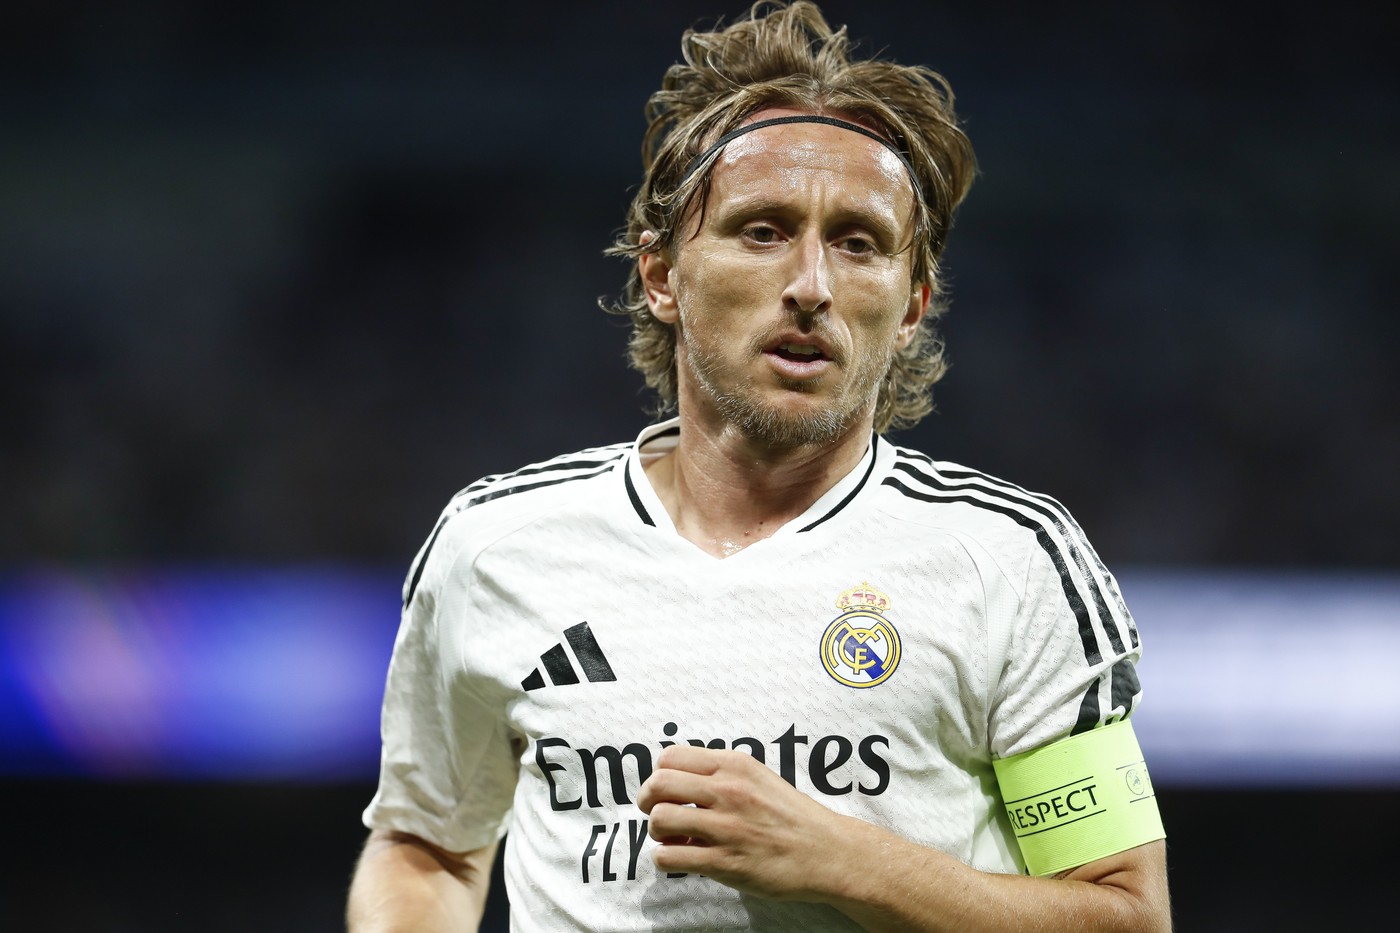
<point>1079,799</point>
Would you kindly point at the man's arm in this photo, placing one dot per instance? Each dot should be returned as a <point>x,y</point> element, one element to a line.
<point>724,815</point>
<point>404,883</point>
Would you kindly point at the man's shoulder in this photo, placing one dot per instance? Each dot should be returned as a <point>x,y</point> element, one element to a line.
<point>953,495</point>
<point>922,478</point>
<point>500,503</point>
<point>1021,531</point>
<point>543,484</point>
<point>567,468</point>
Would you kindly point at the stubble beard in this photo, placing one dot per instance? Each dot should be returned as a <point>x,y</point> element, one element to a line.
<point>777,428</point>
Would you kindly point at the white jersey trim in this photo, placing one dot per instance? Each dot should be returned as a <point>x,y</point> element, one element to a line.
<point>660,439</point>
<point>583,464</point>
<point>1065,545</point>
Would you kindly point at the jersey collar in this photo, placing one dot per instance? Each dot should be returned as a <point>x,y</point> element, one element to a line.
<point>660,439</point>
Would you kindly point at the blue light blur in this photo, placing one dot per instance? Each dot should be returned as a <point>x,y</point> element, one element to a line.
<point>230,673</point>
<point>227,673</point>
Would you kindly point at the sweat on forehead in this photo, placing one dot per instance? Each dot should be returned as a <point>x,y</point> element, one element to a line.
<point>704,157</point>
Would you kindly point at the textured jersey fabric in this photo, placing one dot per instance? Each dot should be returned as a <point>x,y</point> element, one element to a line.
<point>918,621</point>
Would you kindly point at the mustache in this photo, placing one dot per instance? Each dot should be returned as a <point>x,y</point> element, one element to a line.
<point>819,331</point>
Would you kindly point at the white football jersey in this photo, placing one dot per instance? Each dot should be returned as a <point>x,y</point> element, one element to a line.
<point>918,621</point>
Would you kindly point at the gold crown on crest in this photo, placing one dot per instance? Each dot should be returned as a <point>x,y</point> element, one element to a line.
<point>864,596</point>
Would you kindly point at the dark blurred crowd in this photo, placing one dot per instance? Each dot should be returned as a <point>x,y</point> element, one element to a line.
<point>275,282</point>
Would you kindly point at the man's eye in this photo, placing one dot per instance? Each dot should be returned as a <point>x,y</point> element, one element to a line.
<point>855,244</point>
<point>762,234</point>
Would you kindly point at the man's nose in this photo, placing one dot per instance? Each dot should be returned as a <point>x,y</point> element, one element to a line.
<point>808,290</point>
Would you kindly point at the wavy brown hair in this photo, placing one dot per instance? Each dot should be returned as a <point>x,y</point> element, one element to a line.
<point>787,55</point>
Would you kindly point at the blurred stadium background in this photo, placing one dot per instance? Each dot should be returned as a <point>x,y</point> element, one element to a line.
<point>277,279</point>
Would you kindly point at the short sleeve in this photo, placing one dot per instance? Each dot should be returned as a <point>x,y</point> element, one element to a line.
<point>447,767</point>
<point>1069,655</point>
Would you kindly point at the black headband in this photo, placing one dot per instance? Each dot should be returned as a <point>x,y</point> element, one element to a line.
<point>903,156</point>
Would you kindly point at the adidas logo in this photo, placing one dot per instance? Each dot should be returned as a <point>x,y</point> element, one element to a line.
<point>590,657</point>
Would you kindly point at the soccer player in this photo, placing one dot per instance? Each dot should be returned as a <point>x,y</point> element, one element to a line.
<point>763,668</point>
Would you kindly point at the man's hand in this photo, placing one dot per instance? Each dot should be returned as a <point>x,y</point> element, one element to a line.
<point>725,815</point>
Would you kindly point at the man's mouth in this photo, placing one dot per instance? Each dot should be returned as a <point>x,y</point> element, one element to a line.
<point>799,352</point>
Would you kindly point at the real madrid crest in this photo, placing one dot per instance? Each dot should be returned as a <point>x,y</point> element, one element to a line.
<point>860,648</point>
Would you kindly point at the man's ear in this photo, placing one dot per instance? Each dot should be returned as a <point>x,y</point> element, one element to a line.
<point>655,271</point>
<point>913,316</point>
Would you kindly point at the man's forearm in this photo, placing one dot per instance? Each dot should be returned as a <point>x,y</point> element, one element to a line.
<point>922,889</point>
<point>404,884</point>
<point>722,814</point>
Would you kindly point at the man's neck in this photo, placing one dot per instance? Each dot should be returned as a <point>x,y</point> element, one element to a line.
<point>725,491</point>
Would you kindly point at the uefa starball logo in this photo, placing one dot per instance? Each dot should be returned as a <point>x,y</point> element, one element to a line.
<point>860,648</point>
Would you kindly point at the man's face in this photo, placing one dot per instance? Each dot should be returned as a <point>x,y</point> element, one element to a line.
<point>792,294</point>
